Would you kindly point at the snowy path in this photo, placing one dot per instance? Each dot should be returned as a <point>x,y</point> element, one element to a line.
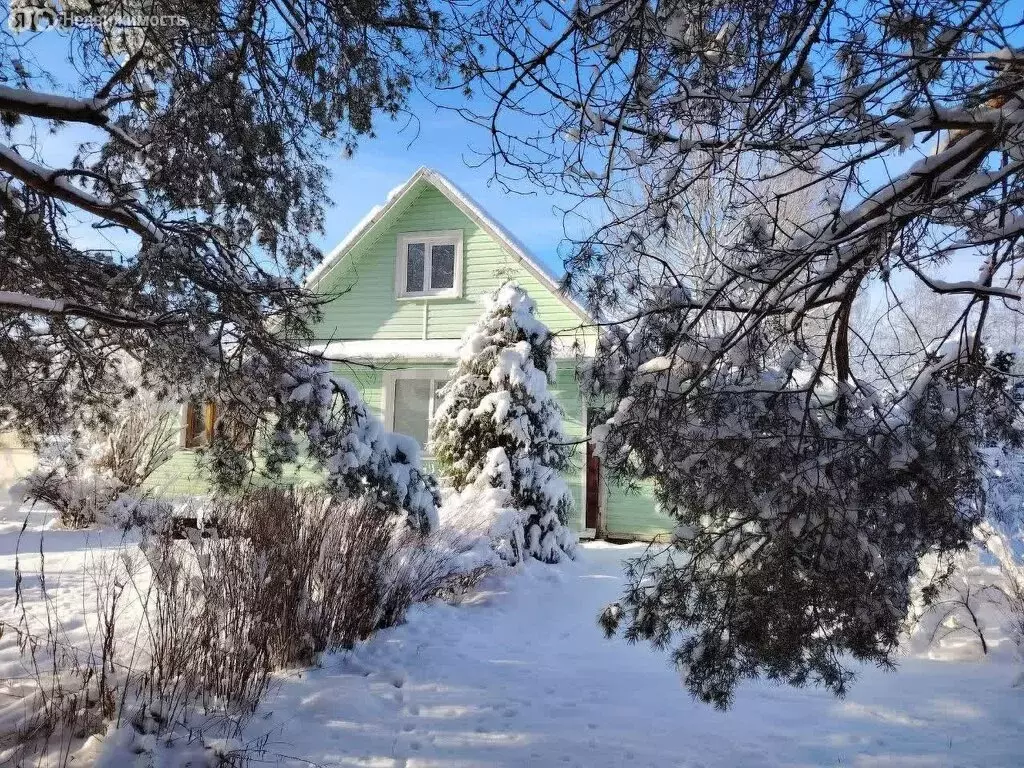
<point>523,677</point>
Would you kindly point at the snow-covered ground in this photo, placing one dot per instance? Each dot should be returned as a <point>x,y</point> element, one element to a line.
<point>521,675</point>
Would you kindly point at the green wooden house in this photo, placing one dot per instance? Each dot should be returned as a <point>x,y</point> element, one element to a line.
<point>406,282</point>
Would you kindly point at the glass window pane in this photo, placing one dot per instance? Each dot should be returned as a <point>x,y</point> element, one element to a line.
<point>414,267</point>
<point>438,386</point>
<point>442,266</point>
<point>412,405</point>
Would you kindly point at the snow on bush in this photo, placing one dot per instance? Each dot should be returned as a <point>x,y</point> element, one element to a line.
<point>959,606</point>
<point>484,512</point>
<point>498,425</point>
<point>803,503</point>
<point>323,417</point>
<point>93,471</point>
<point>1006,551</point>
<point>84,494</point>
<point>971,603</point>
<point>79,493</point>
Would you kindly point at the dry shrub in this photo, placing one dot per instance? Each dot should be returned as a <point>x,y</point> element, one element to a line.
<point>79,500</point>
<point>314,573</point>
<point>70,690</point>
<point>275,578</point>
<point>83,500</point>
<point>99,466</point>
<point>975,597</point>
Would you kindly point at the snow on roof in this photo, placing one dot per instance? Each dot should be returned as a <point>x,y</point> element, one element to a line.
<point>360,229</point>
<point>468,206</point>
<point>422,349</point>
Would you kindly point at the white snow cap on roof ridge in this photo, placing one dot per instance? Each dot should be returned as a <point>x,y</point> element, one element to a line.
<point>364,224</point>
<point>468,206</point>
<point>446,350</point>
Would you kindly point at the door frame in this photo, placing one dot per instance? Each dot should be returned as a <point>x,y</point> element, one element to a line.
<point>597,529</point>
<point>388,382</point>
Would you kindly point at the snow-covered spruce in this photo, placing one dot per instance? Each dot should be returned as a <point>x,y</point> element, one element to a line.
<point>485,509</point>
<point>322,417</point>
<point>498,421</point>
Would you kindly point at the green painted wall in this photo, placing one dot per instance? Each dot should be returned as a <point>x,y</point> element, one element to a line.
<point>179,476</point>
<point>365,307</point>
<point>369,382</point>
<point>632,514</point>
<point>567,391</point>
<point>183,476</point>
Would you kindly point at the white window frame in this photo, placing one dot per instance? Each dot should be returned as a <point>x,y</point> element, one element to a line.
<point>440,237</point>
<point>390,380</point>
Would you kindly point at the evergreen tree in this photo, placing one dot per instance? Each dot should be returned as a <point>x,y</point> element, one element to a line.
<point>499,399</point>
<point>196,146</point>
<point>723,154</point>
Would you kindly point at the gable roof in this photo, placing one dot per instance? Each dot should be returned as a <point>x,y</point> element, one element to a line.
<point>373,221</point>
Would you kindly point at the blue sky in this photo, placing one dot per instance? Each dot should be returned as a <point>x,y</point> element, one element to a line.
<point>437,138</point>
<point>451,145</point>
<point>447,142</point>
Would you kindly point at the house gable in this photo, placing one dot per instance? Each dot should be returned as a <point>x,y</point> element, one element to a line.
<point>365,322</point>
<point>361,272</point>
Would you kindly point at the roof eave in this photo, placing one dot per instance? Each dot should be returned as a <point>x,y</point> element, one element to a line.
<point>461,201</point>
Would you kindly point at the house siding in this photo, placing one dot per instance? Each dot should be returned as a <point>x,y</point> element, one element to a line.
<point>16,461</point>
<point>567,392</point>
<point>632,513</point>
<point>369,382</point>
<point>182,474</point>
<point>178,477</point>
<point>364,307</point>
<point>371,310</point>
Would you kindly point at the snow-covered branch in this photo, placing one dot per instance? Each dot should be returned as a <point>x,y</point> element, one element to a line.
<point>53,106</point>
<point>21,302</point>
<point>55,183</point>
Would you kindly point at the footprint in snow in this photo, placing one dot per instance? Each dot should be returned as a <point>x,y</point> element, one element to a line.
<point>351,666</point>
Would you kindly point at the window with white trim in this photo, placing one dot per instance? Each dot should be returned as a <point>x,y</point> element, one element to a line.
<point>429,264</point>
<point>413,396</point>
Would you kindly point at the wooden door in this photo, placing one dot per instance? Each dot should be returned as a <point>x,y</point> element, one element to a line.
<point>593,494</point>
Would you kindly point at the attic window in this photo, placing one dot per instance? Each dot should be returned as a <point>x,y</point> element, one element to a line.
<point>429,264</point>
